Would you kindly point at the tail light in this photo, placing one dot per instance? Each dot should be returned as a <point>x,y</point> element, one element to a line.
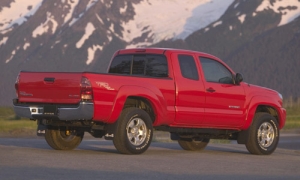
<point>86,89</point>
<point>17,85</point>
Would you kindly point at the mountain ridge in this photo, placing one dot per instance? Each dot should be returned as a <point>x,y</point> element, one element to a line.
<point>82,35</point>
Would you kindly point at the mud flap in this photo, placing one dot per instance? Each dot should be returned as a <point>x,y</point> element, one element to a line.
<point>174,136</point>
<point>41,129</point>
<point>243,136</point>
<point>110,131</point>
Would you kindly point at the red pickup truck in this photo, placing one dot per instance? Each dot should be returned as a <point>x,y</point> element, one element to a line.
<point>193,95</point>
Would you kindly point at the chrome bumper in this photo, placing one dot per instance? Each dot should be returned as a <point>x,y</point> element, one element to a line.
<point>82,111</point>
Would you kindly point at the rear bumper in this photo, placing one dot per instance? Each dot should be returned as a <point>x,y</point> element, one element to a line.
<point>81,111</point>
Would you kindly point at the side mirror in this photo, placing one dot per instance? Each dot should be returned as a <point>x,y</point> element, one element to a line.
<point>238,78</point>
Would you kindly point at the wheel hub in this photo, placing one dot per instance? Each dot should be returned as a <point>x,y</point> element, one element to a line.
<point>136,131</point>
<point>68,133</point>
<point>266,134</point>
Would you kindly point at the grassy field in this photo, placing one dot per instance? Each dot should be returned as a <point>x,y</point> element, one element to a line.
<point>10,124</point>
<point>293,118</point>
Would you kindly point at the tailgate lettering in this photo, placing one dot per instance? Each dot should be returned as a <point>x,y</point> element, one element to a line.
<point>23,93</point>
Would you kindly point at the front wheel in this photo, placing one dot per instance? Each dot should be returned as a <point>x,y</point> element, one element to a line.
<point>193,145</point>
<point>62,139</point>
<point>134,132</point>
<point>263,135</point>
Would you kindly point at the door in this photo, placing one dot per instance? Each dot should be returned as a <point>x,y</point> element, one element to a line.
<point>190,93</point>
<point>225,101</point>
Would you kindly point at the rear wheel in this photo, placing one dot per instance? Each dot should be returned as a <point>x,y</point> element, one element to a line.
<point>61,139</point>
<point>263,135</point>
<point>192,144</point>
<point>134,132</point>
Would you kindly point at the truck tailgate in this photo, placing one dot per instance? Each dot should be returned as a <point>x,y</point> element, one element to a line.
<point>49,87</point>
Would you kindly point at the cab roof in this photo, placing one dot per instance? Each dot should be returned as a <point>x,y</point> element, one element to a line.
<point>159,51</point>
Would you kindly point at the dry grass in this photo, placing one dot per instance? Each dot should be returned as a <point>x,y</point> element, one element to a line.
<point>293,118</point>
<point>16,125</point>
<point>12,125</point>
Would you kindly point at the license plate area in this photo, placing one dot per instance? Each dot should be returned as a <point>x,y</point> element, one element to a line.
<point>36,110</point>
<point>50,110</point>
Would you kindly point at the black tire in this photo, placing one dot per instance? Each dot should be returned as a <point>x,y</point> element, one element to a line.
<point>263,135</point>
<point>134,131</point>
<point>193,145</point>
<point>59,140</point>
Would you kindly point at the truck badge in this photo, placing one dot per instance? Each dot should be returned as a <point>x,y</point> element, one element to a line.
<point>105,85</point>
<point>25,94</point>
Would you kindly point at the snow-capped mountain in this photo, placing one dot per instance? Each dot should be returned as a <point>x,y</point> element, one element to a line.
<point>172,19</point>
<point>143,28</point>
<point>81,35</point>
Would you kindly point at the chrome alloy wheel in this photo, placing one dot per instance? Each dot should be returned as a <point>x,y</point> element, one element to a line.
<point>265,134</point>
<point>136,131</point>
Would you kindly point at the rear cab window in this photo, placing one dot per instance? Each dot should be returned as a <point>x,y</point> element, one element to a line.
<point>188,67</point>
<point>149,65</point>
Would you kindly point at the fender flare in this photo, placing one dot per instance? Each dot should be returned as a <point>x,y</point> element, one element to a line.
<point>155,98</point>
<point>261,100</point>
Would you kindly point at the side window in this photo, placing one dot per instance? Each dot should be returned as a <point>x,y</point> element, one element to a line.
<point>215,71</point>
<point>121,64</point>
<point>144,65</point>
<point>188,67</point>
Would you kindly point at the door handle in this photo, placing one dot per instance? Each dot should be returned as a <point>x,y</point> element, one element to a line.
<point>49,80</point>
<point>210,90</point>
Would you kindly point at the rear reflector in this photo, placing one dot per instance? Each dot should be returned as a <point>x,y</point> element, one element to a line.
<point>86,89</point>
